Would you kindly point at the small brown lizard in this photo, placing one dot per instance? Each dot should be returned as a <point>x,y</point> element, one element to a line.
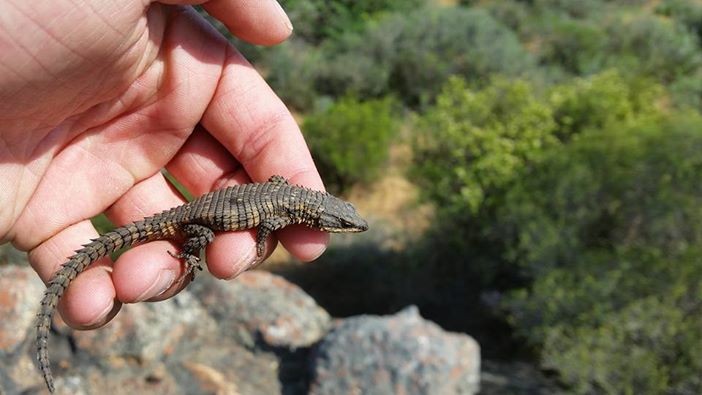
<point>268,206</point>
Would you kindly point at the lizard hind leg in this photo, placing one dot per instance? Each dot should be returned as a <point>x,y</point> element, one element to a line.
<point>197,238</point>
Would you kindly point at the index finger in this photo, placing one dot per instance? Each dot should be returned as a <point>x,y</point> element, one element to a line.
<point>254,125</point>
<point>262,22</point>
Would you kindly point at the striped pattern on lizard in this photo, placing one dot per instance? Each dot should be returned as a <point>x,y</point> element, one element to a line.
<point>268,206</point>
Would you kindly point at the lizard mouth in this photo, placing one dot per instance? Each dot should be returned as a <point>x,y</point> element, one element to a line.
<point>347,227</point>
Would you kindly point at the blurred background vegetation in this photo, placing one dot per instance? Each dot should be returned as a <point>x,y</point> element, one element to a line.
<point>531,171</point>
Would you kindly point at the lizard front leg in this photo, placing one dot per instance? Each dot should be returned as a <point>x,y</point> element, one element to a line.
<point>265,229</point>
<point>198,237</point>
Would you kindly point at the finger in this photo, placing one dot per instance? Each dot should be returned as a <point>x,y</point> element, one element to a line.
<point>203,165</point>
<point>147,272</point>
<point>261,22</point>
<point>89,301</point>
<point>251,122</point>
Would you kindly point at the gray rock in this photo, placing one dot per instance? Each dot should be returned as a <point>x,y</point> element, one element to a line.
<point>20,290</point>
<point>268,308</point>
<point>224,367</point>
<point>150,331</point>
<point>399,354</point>
<point>19,373</point>
<point>214,337</point>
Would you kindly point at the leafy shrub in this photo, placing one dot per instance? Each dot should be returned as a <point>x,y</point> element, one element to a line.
<point>609,228</point>
<point>593,103</point>
<point>653,46</point>
<point>411,55</point>
<point>585,37</point>
<point>350,140</point>
<point>687,91</point>
<point>356,66</point>
<point>472,144</point>
<point>649,346</point>
<point>292,68</point>
<point>570,8</point>
<point>317,20</point>
<point>575,45</point>
<point>590,191</point>
<point>624,186</point>
<point>512,14</point>
<point>689,13</point>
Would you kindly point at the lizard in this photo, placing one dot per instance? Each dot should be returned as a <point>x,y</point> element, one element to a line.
<point>267,206</point>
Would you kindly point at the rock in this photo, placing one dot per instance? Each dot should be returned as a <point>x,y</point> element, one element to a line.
<point>149,331</point>
<point>20,290</point>
<point>269,308</point>
<point>125,380</point>
<point>224,367</point>
<point>212,338</point>
<point>399,354</point>
<point>19,372</point>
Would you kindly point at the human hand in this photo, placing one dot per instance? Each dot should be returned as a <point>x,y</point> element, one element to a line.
<point>97,97</point>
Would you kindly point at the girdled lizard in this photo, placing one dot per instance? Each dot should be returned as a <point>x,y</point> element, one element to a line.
<point>268,206</point>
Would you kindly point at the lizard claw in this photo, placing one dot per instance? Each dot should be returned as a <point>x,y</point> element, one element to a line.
<point>191,262</point>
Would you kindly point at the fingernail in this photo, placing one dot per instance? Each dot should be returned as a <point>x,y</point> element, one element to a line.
<point>319,252</point>
<point>244,263</point>
<point>163,282</point>
<point>100,318</point>
<point>284,16</point>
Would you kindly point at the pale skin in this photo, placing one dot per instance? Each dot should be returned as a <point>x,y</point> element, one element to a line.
<point>96,97</point>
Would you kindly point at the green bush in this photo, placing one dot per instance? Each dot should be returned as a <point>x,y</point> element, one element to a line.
<point>513,14</point>
<point>609,228</point>
<point>575,45</point>
<point>317,20</point>
<point>614,187</point>
<point>350,140</point>
<point>687,92</point>
<point>472,144</point>
<point>570,8</point>
<point>590,195</point>
<point>649,346</point>
<point>652,46</point>
<point>411,55</point>
<point>689,13</point>
<point>585,37</point>
<point>594,102</point>
<point>291,71</point>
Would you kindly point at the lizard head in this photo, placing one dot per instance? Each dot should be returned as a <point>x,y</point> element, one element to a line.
<point>338,216</point>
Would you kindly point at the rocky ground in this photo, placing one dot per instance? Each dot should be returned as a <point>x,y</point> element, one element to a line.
<point>258,334</point>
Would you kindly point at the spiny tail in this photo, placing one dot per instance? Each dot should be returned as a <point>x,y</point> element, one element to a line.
<point>126,236</point>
